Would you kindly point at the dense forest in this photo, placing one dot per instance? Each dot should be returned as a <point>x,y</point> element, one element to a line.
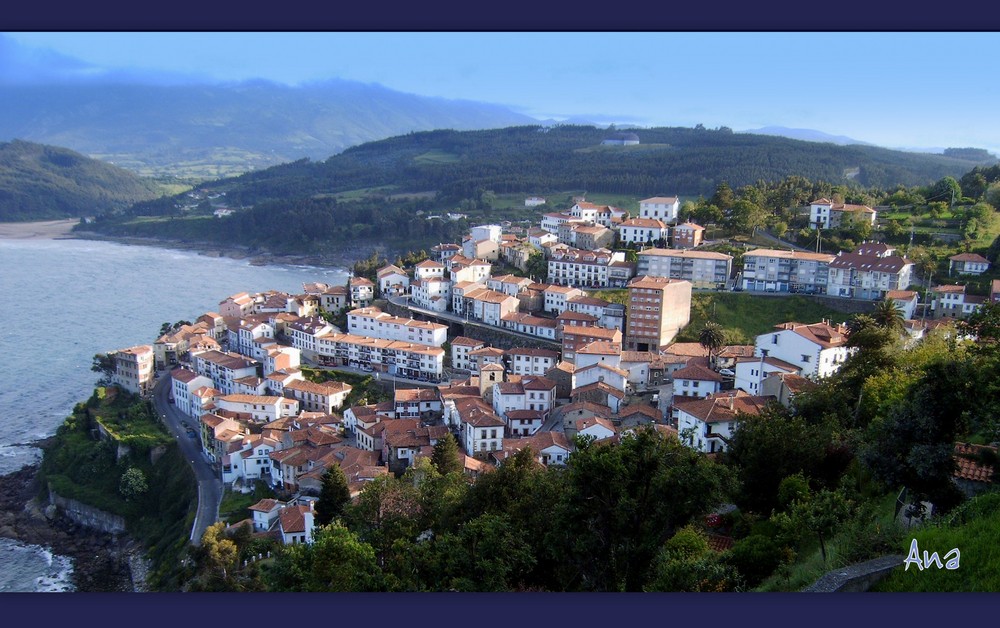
<point>391,191</point>
<point>685,161</point>
<point>39,182</point>
<point>801,490</point>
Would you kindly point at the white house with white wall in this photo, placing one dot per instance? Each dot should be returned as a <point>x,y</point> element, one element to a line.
<point>818,349</point>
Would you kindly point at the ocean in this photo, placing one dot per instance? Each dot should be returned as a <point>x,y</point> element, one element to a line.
<point>66,300</point>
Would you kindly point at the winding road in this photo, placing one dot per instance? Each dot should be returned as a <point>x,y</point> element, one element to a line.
<point>209,484</point>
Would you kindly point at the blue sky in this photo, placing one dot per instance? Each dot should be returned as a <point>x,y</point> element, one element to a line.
<point>893,89</point>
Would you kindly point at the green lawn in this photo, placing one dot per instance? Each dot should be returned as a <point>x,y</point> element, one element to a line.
<point>435,157</point>
<point>745,316</point>
<point>972,529</point>
<point>236,506</point>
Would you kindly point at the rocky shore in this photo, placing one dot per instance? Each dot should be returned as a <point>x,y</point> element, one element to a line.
<point>101,562</point>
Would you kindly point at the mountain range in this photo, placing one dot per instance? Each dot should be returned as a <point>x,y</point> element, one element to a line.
<point>211,131</point>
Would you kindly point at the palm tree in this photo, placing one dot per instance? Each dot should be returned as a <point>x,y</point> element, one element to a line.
<point>888,314</point>
<point>712,337</point>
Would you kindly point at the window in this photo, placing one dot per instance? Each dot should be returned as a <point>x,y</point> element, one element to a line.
<point>805,358</point>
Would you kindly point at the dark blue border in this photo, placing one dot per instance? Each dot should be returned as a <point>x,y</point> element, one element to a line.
<point>511,15</point>
<point>515,609</point>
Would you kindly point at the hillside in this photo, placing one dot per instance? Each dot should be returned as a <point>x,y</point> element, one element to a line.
<point>39,182</point>
<point>386,191</point>
<point>530,159</point>
<point>202,131</point>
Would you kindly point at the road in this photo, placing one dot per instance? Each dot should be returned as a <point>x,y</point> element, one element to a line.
<point>209,484</point>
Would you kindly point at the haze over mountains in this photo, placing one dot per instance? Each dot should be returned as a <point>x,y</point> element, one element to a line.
<point>161,124</point>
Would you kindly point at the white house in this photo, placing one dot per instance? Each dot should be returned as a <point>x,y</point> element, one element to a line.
<point>392,280</point>
<point>751,371</point>
<point>818,349</point>
<point>375,323</point>
<point>134,369</point>
<point>968,264</point>
<point>643,230</point>
<point>662,208</point>
<point>708,424</point>
<point>696,380</point>
<point>825,214</point>
<point>183,382</point>
<point>527,361</point>
<point>429,269</point>
<point>461,347</point>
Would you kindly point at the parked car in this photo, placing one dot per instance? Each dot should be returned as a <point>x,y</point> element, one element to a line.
<point>192,433</point>
<point>727,372</point>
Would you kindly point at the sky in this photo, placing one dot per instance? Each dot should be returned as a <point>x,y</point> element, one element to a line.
<point>900,90</point>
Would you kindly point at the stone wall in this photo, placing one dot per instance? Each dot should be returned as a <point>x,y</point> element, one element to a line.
<point>855,578</point>
<point>87,516</point>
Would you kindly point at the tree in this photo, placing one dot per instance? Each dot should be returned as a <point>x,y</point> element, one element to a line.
<point>888,314</point>
<point>537,267</point>
<point>686,564</point>
<point>333,497</point>
<point>712,337</point>
<point>104,363</point>
<point>446,457</point>
<point>220,552</point>
<point>336,561</point>
<point>624,501</point>
<point>133,484</point>
<point>775,444</point>
<point>821,514</point>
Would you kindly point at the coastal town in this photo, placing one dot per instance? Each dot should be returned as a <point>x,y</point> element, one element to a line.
<point>507,362</point>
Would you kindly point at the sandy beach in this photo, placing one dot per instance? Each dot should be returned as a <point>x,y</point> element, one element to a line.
<point>44,230</point>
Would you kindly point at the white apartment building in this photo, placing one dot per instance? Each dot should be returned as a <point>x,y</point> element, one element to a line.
<point>704,269</point>
<point>373,322</point>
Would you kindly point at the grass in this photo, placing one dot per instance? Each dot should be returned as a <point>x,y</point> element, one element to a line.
<point>972,530</point>
<point>435,157</point>
<point>235,506</point>
<point>745,316</point>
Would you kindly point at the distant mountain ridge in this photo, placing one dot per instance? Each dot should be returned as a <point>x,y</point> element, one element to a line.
<point>808,135</point>
<point>39,182</point>
<point>214,131</point>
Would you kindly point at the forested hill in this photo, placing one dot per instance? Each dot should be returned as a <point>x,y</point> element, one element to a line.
<point>532,159</point>
<point>39,182</point>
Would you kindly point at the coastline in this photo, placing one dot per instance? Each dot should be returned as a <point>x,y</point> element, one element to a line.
<point>101,562</point>
<point>63,230</point>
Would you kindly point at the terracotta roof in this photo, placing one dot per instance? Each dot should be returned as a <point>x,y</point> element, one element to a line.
<point>649,281</point>
<point>816,257</point>
<point>969,257</point>
<point>697,372</point>
<point>542,353</point>
<point>686,253</point>
<point>640,408</point>
<point>601,386</point>
<point>890,264</point>
<point>292,519</point>
<point>265,505</point>
<point>952,289</point>
<point>972,470</point>
<point>660,199</point>
<point>687,349</point>
<point>644,223</point>
<point>904,295</point>
<point>722,407</point>
<point>583,424</point>
<point>718,542</point>
<point>601,348</point>
<point>822,334</point>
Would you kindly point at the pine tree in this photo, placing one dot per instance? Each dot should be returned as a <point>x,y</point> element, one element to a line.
<point>445,457</point>
<point>333,496</point>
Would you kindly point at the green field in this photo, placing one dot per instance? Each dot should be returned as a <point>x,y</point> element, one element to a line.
<point>745,316</point>
<point>972,530</point>
<point>435,157</point>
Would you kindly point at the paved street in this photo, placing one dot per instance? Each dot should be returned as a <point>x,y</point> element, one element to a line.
<point>209,484</point>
